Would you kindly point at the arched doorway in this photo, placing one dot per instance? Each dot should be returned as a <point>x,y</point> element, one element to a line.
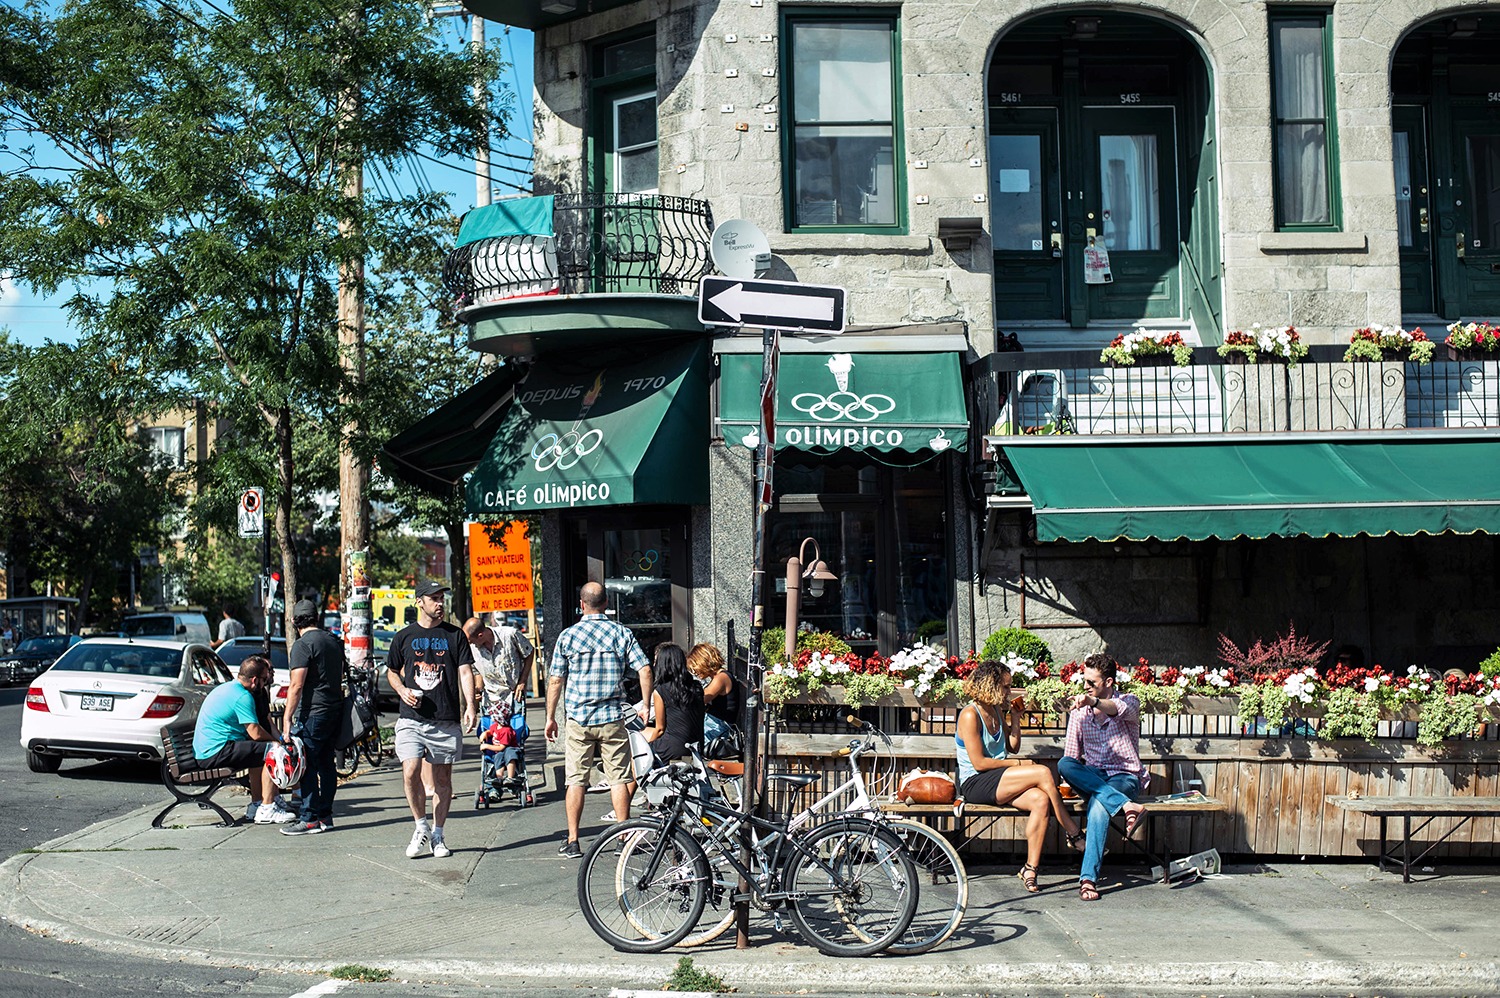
<point>1445,151</point>
<point>1101,128</point>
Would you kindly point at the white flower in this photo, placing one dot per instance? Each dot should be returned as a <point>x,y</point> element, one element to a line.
<point>1300,685</point>
<point>1371,684</point>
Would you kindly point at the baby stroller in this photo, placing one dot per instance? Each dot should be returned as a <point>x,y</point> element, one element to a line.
<point>494,784</point>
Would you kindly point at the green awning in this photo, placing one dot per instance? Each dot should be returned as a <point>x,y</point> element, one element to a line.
<point>862,401</point>
<point>514,217</point>
<point>438,450</point>
<point>581,434</point>
<point>1423,482</point>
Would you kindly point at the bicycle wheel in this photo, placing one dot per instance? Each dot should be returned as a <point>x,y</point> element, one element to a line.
<point>371,747</point>
<point>854,888</point>
<point>724,881</point>
<point>346,761</point>
<point>942,887</point>
<point>634,908</point>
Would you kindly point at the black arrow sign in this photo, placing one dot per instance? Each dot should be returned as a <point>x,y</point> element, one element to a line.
<point>724,301</point>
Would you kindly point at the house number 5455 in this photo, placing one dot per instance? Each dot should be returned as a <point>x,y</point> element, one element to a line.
<point>1130,98</point>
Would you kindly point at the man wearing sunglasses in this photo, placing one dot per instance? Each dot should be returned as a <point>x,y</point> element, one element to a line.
<point>1102,761</point>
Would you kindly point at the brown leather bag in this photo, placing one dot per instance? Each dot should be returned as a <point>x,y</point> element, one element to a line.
<point>923,786</point>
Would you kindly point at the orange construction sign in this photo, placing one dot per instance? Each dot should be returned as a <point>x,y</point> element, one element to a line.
<point>500,573</point>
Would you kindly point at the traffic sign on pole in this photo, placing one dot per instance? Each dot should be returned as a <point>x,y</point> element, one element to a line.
<point>252,513</point>
<point>813,308</point>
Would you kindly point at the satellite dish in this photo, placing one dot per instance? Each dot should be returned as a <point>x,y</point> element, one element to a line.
<point>740,250</point>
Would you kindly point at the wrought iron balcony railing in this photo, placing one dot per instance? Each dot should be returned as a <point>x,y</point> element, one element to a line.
<point>602,244</point>
<point>1072,392</point>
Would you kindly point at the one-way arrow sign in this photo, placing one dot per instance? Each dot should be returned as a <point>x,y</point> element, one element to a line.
<point>723,301</point>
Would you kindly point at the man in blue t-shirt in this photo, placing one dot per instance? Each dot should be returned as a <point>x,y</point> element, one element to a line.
<point>229,736</point>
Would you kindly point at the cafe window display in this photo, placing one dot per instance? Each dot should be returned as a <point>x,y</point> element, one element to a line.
<point>883,531</point>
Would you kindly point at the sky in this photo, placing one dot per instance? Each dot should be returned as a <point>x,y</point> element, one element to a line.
<point>33,321</point>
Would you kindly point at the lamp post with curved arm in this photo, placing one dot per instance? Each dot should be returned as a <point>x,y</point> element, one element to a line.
<point>816,573</point>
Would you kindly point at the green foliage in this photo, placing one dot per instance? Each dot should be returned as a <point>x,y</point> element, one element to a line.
<point>1049,696</point>
<point>1166,699</point>
<point>686,977</point>
<point>1490,667</point>
<point>1016,640</point>
<point>1444,716</point>
<point>931,628</point>
<point>773,644</point>
<point>1350,714</point>
<point>946,689</point>
<point>862,690</point>
<point>359,972</point>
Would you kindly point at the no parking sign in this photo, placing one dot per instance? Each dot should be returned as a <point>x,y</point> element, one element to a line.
<point>252,513</point>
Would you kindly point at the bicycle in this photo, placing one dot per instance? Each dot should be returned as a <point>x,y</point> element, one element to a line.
<point>370,745</point>
<point>847,883</point>
<point>943,894</point>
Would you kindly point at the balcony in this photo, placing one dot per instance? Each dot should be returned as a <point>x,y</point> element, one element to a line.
<point>1073,393</point>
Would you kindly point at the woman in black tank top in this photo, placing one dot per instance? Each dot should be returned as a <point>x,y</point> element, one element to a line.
<point>678,702</point>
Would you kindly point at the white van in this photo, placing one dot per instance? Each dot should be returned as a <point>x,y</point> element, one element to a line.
<point>187,626</point>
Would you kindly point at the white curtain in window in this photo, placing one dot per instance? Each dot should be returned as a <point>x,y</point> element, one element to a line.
<point>1401,162</point>
<point>1302,152</point>
<point>1130,192</point>
<point>843,72</point>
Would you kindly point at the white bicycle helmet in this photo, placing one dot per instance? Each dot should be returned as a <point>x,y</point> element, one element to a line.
<point>286,763</point>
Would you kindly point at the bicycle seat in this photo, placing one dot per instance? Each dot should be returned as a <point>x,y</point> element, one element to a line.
<point>794,779</point>
<point>725,767</point>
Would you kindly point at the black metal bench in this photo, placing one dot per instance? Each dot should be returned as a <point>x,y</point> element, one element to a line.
<point>180,771</point>
<point>1428,809</point>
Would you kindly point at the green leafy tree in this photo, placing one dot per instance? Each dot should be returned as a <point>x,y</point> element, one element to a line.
<point>201,213</point>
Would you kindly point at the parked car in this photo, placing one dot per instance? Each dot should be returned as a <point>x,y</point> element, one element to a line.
<point>186,627</point>
<point>236,650</point>
<point>380,647</point>
<point>33,656</point>
<point>110,697</point>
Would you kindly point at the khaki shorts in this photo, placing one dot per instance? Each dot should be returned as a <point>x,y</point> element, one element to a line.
<point>606,743</point>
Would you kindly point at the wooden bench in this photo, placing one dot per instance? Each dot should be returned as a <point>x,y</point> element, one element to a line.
<point>1427,809</point>
<point>1155,849</point>
<point>180,770</point>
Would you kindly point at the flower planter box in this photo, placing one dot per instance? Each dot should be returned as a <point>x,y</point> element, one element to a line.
<point>1149,360</point>
<point>1461,354</point>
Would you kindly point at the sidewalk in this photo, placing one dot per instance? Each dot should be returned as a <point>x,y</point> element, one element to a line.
<point>504,903</point>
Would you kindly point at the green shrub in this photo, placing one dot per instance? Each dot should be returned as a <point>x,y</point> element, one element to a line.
<point>930,628</point>
<point>1018,640</point>
<point>773,644</point>
<point>1490,667</point>
<point>686,977</point>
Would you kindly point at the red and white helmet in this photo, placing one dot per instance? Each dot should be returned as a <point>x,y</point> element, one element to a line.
<point>286,763</point>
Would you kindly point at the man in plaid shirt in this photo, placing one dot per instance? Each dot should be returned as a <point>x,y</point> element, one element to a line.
<point>1102,761</point>
<point>589,663</point>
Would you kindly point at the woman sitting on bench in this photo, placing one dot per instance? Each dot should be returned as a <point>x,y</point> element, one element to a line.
<point>989,771</point>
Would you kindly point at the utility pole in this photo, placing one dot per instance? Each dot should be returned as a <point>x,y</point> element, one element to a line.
<point>482,185</point>
<point>354,468</point>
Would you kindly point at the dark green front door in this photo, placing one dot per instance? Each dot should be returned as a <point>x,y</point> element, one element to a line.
<point>1413,208</point>
<point>1025,204</point>
<point>1476,210</point>
<point>1129,206</point>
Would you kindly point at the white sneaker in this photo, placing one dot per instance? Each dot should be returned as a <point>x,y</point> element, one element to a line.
<point>440,848</point>
<point>419,842</point>
<point>608,816</point>
<point>273,815</point>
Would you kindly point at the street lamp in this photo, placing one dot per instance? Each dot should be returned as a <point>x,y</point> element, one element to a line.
<point>816,573</point>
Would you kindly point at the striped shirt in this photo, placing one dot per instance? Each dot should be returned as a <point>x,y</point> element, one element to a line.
<point>1112,744</point>
<point>591,658</point>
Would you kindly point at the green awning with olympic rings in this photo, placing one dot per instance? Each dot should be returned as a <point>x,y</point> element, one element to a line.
<point>581,433</point>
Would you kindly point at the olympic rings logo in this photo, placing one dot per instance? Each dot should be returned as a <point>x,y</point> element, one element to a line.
<point>564,451</point>
<point>843,405</point>
<point>642,561</point>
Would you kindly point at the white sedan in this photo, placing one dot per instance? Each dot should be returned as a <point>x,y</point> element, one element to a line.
<point>110,697</point>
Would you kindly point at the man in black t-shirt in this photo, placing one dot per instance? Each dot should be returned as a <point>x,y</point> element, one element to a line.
<point>430,667</point>
<point>314,702</point>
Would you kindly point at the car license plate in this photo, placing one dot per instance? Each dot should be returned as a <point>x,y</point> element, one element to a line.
<point>97,702</point>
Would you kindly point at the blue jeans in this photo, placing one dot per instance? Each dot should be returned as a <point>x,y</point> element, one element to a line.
<point>318,732</point>
<point>1104,796</point>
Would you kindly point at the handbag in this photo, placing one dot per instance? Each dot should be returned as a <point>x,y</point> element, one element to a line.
<point>924,786</point>
<point>356,720</point>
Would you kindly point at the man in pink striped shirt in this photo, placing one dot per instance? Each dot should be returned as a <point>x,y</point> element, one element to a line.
<point>1102,761</point>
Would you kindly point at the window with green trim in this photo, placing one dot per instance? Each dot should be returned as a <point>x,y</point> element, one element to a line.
<point>1305,139</point>
<point>842,145</point>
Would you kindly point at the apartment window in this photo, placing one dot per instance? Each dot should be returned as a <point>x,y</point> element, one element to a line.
<point>841,104</point>
<point>1305,144</point>
<point>169,443</point>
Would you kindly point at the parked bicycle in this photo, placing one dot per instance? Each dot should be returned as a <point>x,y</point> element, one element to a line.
<point>361,683</point>
<point>847,884</point>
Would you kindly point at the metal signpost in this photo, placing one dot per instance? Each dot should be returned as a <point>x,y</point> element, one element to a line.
<point>773,306</point>
<point>252,519</point>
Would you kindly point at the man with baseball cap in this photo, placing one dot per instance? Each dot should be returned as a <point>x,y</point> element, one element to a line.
<point>314,701</point>
<point>431,670</point>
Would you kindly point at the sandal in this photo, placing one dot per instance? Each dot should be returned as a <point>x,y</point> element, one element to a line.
<point>1132,818</point>
<point>1027,876</point>
<point>1088,890</point>
<point>1076,841</point>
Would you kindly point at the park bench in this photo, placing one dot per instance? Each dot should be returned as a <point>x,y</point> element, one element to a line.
<point>1426,810</point>
<point>180,771</point>
<point>1156,849</point>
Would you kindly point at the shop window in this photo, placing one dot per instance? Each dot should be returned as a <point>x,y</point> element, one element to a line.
<point>1304,146</point>
<point>840,108</point>
<point>883,531</point>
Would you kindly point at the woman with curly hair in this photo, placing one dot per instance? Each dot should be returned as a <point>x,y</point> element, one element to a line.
<point>990,771</point>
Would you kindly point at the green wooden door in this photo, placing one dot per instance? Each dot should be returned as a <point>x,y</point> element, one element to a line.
<point>1130,205</point>
<point>1476,210</point>
<point>1413,207</point>
<point>1025,206</point>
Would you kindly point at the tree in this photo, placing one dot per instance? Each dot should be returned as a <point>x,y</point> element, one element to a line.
<point>200,212</point>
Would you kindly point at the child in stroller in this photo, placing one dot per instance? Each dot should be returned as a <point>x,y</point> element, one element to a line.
<point>502,755</point>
